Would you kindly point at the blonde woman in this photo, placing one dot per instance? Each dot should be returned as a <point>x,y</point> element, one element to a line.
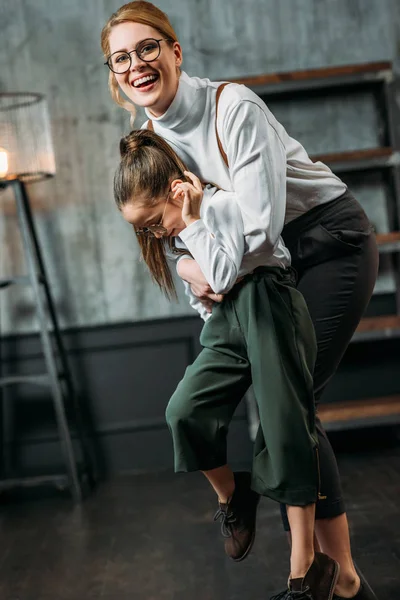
<point>278,190</point>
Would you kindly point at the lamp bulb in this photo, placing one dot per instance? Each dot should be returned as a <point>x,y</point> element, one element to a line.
<point>3,163</point>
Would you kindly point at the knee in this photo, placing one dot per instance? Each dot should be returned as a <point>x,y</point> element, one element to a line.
<point>179,411</point>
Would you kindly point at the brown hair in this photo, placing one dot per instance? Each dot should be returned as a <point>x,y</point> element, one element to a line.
<point>147,168</point>
<point>137,12</point>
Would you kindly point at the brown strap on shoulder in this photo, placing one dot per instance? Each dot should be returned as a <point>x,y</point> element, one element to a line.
<point>150,125</point>
<point>223,153</point>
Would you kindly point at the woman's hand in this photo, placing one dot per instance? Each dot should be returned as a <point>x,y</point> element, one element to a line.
<point>190,271</point>
<point>192,195</point>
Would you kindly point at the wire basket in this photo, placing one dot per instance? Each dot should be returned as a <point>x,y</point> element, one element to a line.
<point>26,146</point>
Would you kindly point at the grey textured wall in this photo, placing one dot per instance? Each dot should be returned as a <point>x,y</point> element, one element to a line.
<point>53,47</point>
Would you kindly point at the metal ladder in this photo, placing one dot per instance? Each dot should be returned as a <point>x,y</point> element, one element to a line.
<point>58,379</point>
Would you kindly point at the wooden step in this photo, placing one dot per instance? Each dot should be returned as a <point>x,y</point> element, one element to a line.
<point>388,238</point>
<point>388,242</point>
<point>284,83</point>
<point>383,327</point>
<point>359,160</point>
<point>367,153</point>
<point>377,323</point>
<point>360,413</point>
<point>310,74</point>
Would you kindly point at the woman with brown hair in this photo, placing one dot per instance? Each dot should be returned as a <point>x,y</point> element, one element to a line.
<point>243,148</point>
<point>261,333</point>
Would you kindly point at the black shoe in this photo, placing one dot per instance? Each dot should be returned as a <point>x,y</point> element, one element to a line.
<point>289,595</point>
<point>238,517</point>
<point>317,584</point>
<point>364,593</point>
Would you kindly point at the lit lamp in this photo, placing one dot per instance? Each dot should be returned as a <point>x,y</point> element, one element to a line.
<point>26,156</point>
<point>25,136</point>
<point>3,163</point>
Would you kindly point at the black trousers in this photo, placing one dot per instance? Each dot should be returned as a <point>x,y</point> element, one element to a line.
<point>335,255</point>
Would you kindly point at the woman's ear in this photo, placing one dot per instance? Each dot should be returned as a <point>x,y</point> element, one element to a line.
<point>178,54</point>
<point>177,193</point>
<point>175,183</point>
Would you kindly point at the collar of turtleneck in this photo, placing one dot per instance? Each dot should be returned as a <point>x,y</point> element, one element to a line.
<point>187,99</point>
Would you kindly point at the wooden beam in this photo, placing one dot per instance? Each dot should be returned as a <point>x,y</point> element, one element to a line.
<point>388,238</point>
<point>368,408</point>
<point>379,323</point>
<point>354,155</point>
<point>310,74</point>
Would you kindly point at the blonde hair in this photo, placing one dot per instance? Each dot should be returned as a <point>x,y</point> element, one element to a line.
<point>139,11</point>
<point>147,168</point>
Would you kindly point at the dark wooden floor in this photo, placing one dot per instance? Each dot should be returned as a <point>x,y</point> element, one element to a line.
<point>151,537</point>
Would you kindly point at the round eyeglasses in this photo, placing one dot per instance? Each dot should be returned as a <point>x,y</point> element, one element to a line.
<point>155,229</point>
<point>147,50</point>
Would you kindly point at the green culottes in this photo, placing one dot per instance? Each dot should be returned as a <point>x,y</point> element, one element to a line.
<point>260,334</point>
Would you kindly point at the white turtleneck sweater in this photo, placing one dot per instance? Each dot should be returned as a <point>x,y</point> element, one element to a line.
<point>218,245</point>
<point>272,176</point>
<point>271,173</point>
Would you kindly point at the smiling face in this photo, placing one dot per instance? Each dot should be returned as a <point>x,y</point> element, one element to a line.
<point>156,94</point>
<point>166,212</point>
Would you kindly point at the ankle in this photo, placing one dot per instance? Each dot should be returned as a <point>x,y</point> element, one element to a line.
<point>347,585</point>
<point>225,496</point>
<point>299,565</point>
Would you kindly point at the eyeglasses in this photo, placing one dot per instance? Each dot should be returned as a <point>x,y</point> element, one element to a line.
<point>147,50</point>
<point>159,228</point>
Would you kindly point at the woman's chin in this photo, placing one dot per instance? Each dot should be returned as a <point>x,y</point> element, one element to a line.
<point>174,232</point>
<point>143,99</point>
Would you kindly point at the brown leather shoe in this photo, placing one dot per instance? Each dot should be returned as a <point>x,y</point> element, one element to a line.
<point>238,518</point>
<point>318,583</point>
<point>320,579</point>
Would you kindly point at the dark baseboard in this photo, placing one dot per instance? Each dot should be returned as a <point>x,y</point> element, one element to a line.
<point>124,376</point>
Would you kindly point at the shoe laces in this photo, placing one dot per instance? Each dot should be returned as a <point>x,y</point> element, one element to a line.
<point>289,595</point>
<point>228,518</point>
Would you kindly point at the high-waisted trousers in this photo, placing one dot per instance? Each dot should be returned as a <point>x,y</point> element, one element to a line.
<point>335,254</point>
<point>260,334</point>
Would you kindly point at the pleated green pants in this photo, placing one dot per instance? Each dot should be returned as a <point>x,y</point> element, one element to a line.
<point>261,334</point>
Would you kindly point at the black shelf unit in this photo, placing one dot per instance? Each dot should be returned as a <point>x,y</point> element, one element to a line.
<point>378,78</point>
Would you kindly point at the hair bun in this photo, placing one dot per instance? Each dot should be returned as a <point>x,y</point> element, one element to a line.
<point>128,144</point>
<point>134,140</point>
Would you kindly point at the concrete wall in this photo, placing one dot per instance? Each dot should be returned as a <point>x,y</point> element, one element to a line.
<point>53,48</point>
